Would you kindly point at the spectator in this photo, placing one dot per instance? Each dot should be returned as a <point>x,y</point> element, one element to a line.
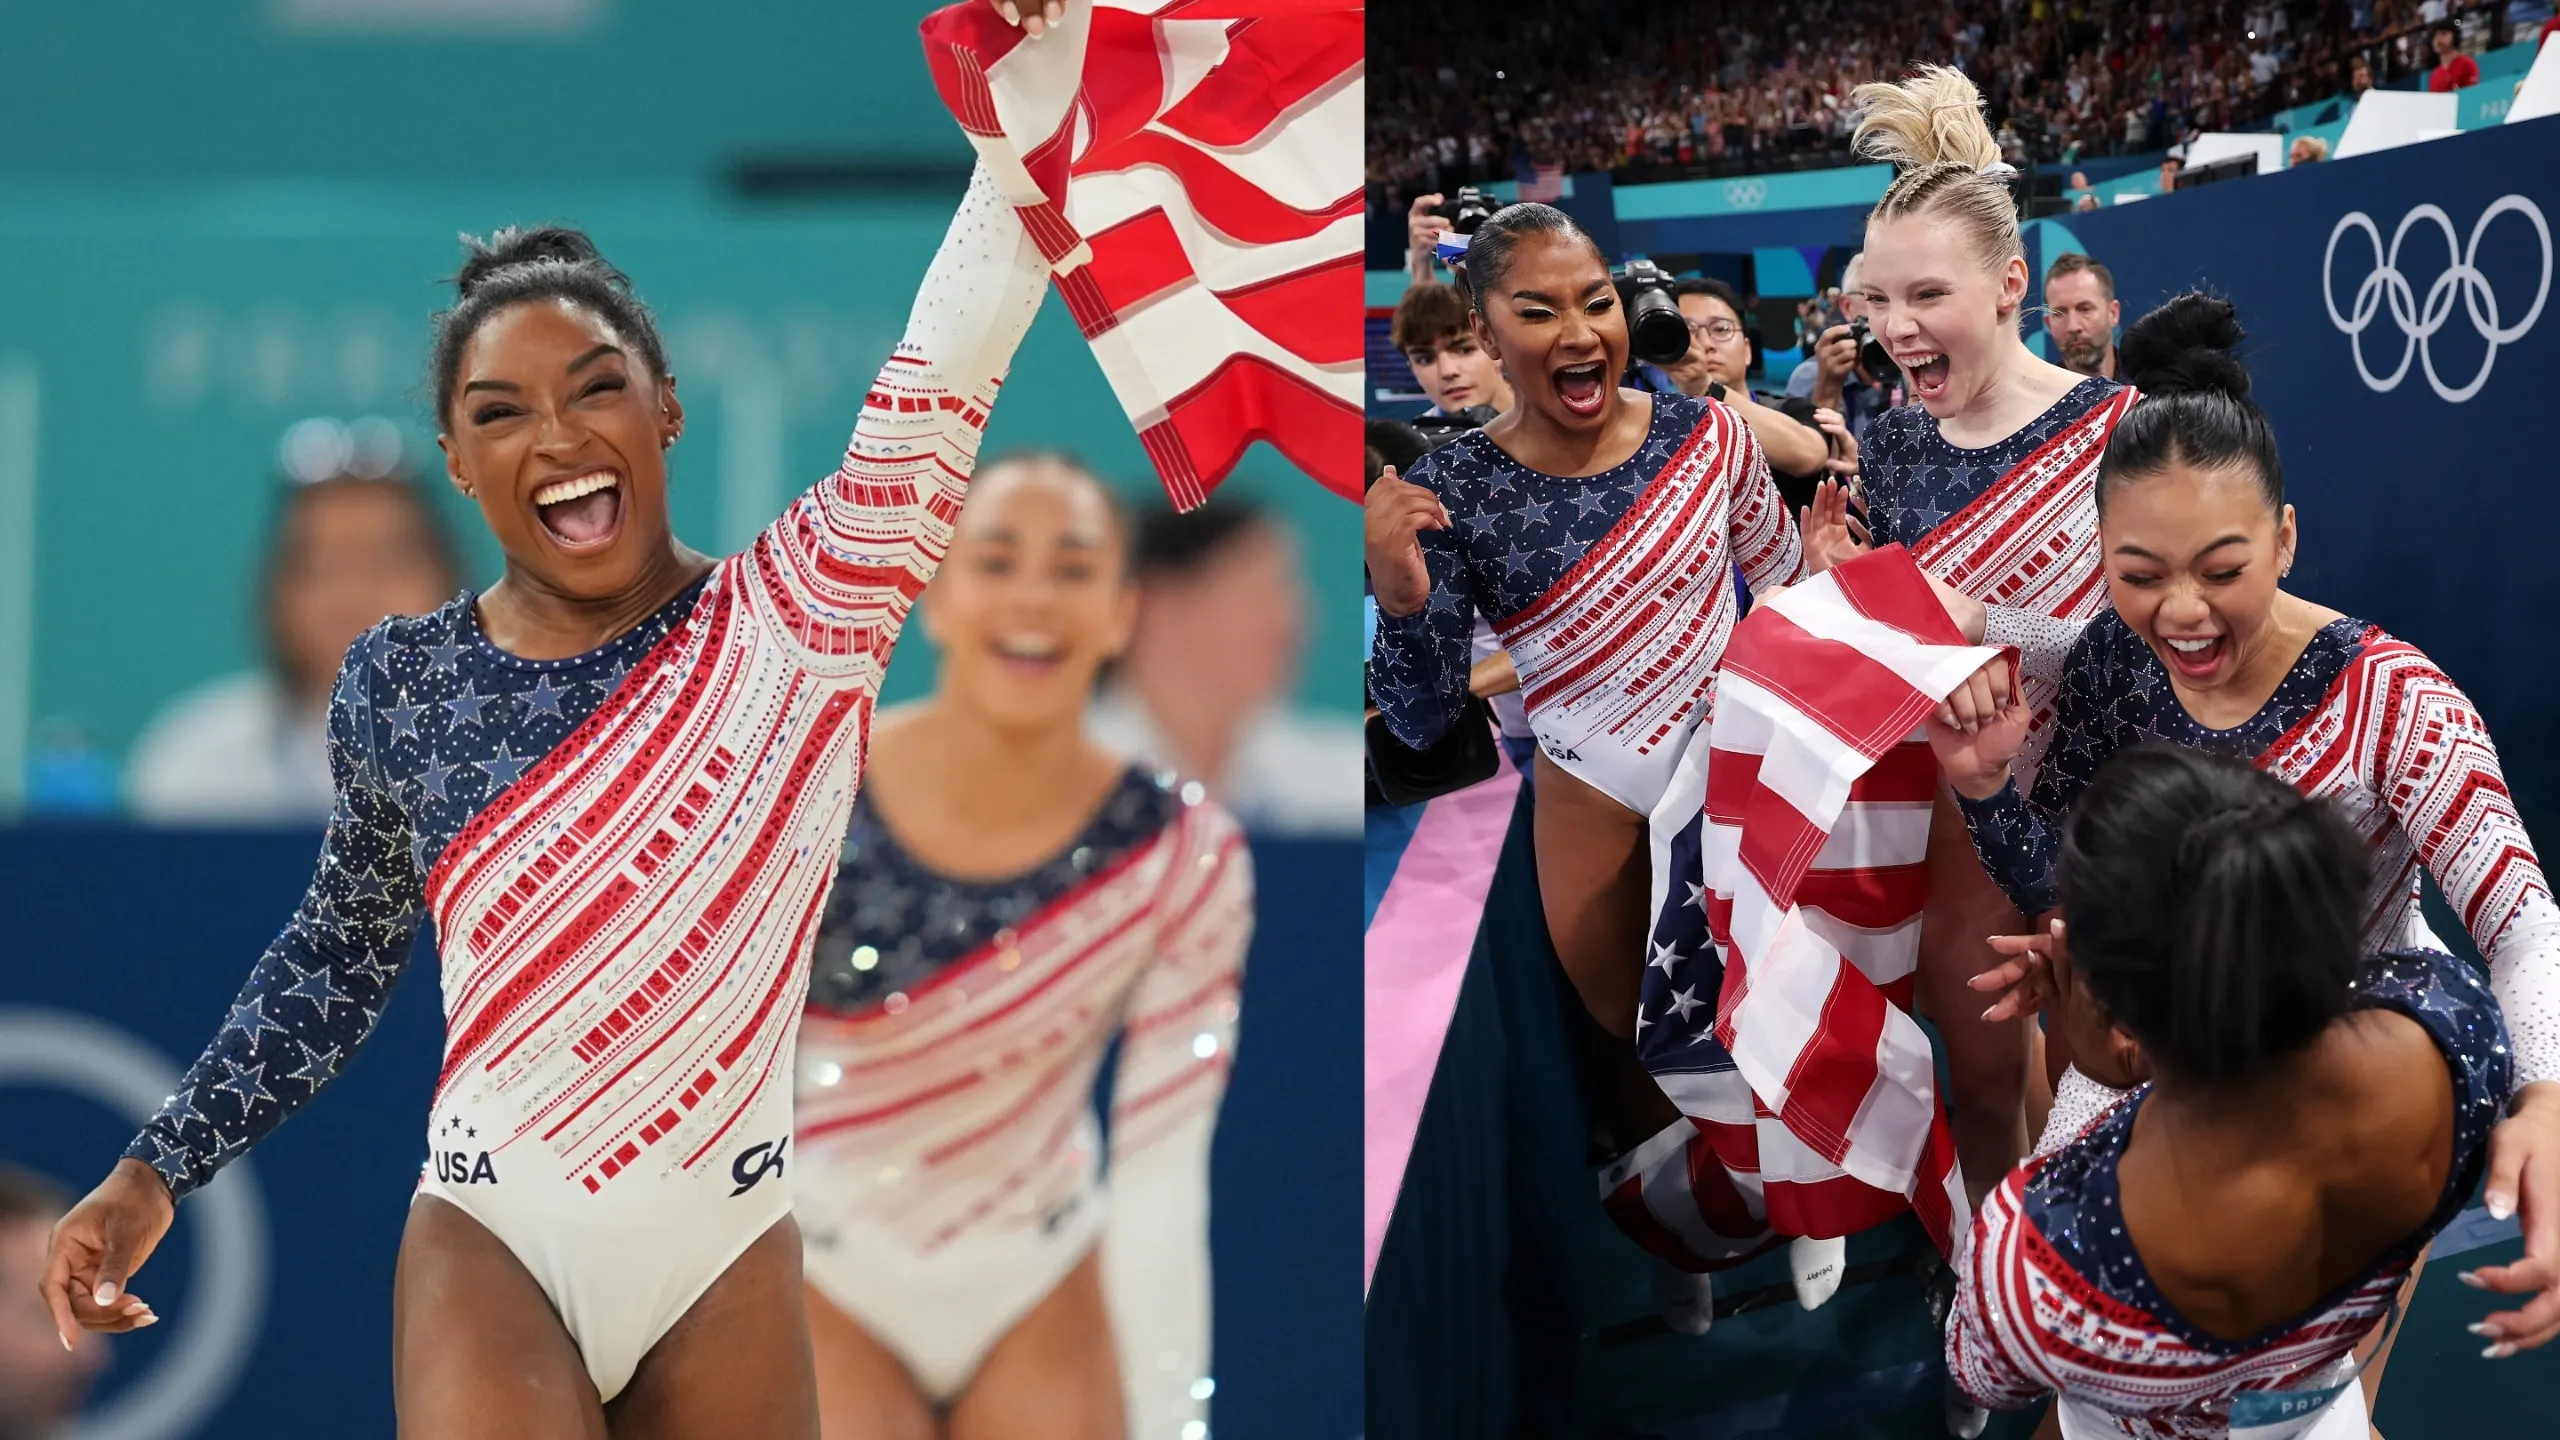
<point>1436,332</point>
<point>2308,150</point>
<point>1720,354</point>
<point>2360,79</point>
<point>2169,169</point>
<point>2454,70</point>
<point>2086,202</point>
<point>2080,314</point>
<point>1202,690</point>
<point>251,748</point>
<point>41,1384</point>
<point>1831,376</point>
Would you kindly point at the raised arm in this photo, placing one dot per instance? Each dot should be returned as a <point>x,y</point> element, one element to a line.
<point>1177,1042</point>
<point>845,563</point>
<point>323,983</point>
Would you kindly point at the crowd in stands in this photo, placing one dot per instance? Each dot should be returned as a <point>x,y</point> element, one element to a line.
<point>1692,89</point>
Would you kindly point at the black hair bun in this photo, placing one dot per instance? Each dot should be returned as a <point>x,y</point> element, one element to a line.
<point>2186,347</point>
<point>517,245</point>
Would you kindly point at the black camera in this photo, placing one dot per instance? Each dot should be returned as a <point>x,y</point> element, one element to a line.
<point>1466,212</point>
<point>1657,333</point>
<point>1872,356</point>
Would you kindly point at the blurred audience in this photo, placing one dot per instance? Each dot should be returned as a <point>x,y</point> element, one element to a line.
<point>42,1385</point>
<point>2308,150</point>
<point>2453,69</point>
<point>1725,90</point>
<point>251,748</point>
<point>1203,689</point>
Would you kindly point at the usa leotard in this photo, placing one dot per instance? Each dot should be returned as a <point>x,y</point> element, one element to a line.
<point>2055,1298</point>
<point>2361,719</point>
<point>948,1175</point>
<point>1613,592</point>
<point>624,855</point>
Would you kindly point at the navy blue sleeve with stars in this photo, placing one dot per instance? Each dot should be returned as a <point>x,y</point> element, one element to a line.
<point>324,981</point>
<point>2017,836</point>
<point>1420,662</point>
<point>1516,534</point>
<point>430,724</point>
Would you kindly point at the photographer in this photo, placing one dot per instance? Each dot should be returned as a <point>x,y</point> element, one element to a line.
<point>1434,216</point>
<point>1798,444</point>
<point>1848,372</point>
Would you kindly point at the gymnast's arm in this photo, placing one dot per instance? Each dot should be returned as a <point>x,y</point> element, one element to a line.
<point>1766,544</point>
<point>1989,1354</point>
<point>1178,1041</point>
<point>1420,664</point>
<point>323,982</point>
<point>847,560</point>
<point>2017,835</point>
<point>2451,799</point>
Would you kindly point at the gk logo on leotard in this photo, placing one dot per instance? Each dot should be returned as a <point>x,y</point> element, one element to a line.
<point>757,1162</point>
<point>2419,320</point>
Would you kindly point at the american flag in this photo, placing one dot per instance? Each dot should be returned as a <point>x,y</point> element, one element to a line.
<point>1542,182</point>
<point>1796,836</point>
<point>1192,169</point>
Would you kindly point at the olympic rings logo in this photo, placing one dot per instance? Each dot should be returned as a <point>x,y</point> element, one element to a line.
<point>227,1293</point>
<point>2420,320</point>
<point>1746,194</point>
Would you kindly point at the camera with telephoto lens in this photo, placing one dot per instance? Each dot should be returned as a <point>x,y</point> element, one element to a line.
<point>1469,210</point>
<point>1872,356</point>
<point>1657,333</point>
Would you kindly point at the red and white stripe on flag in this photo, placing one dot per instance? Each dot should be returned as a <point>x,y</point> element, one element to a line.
<point>1544,183</point>
<point>1192,169</point>
<point>1818,787</point>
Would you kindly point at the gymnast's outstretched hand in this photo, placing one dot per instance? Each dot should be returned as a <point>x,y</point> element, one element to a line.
<point>97,1247</point>
<point>1832,535</point>
<point>2524,1179</point>
<point>2025,978</point>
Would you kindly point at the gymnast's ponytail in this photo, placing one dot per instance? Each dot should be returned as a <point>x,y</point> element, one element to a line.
<point>2214,909</point>
<point>1932,130</point>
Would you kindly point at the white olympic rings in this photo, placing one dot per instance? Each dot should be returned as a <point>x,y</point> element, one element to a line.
<point>1749,193</point>
<point>2419,321</point>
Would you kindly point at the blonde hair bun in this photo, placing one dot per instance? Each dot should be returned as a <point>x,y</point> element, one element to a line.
<point>1933,118</point>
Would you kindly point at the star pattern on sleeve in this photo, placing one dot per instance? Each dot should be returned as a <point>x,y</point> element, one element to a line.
<point>1518,534</point>
<point>427,725</point>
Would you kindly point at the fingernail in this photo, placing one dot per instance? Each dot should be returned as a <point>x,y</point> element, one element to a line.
<point>2472,1279</point>
<point>2498,1352</point>
<point>105,1294</point>
<point>1057,12</point>
<point>1012,16</point>
<point>2501,1206</point>
<point>2484,1330</point>
<point>146,1322</point>
<point>65,1339</point>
